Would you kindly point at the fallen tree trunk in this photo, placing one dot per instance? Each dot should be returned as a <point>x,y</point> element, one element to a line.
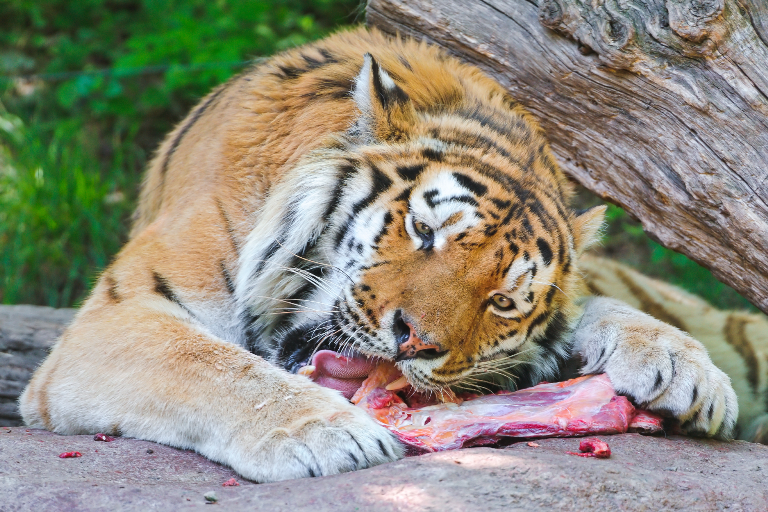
<point>658,106</point>
<point>27,333</point>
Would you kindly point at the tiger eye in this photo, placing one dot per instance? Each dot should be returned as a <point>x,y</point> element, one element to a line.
<point>422,228</point>
<point>502,302</point>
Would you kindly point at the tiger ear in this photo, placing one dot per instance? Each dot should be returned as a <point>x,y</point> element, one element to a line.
<point>587,227</point>
<point>386,111</point>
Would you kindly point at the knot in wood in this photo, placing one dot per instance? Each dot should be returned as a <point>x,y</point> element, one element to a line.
<point>693,19</point>
<point>551,14</point>
<point>616,32</point>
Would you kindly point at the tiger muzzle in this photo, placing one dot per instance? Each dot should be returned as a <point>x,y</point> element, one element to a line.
<point>409,345</point>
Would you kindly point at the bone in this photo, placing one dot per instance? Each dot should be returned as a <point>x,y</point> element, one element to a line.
<point>398,384</point>
<point>307,370</point>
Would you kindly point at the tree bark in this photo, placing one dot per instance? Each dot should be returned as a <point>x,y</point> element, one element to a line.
<point>659,106</point>
<point>27,334</point>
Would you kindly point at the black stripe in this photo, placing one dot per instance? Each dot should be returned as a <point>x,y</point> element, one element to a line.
<point>289,72</point>
<point>387,221</point>
<point>429,196</point>
<point>473,140</point>
<point>545,250</point>
<point>540,319</point>
<point>410,172</point>
<point>228,226</point>
<point>387,97</point>
<point>380,184</point>
<point>486,120</point>
<point>501,204</point>
<point>553,339</point>
<point>550,295</point>
<point>475,187</point>
<point>345,171</point>
<point>112,292</point>
<point>736,336</point>
<point>271,250</point>
<point>405,195</point>
<point>433,155</point>
<point>163,287</point>
<point>227,278</point>
<point>313,63</point>
<point>459,199</point>
<point>192,119</point>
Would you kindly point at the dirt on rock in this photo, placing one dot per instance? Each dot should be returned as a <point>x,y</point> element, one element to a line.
<point>643,473</point>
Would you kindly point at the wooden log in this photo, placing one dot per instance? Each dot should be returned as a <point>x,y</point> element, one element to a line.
<point>658,106</point>
<point>27,334</point>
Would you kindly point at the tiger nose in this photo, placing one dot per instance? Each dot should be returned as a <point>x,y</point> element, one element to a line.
<point>409,345</point>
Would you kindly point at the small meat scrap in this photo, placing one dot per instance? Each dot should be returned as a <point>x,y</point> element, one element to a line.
<point>646,422</point>
<point>103,437</point>
<point>592,447</point>
<point>230,483</point>
<point>534,445</point>
<point>70,455</point>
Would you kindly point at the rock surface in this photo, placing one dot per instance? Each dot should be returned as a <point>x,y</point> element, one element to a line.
<point>643,473</point>
<point>27,333</point>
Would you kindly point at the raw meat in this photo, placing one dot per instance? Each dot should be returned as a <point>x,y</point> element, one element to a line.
<point>577,407</point>
<point>593,448</point>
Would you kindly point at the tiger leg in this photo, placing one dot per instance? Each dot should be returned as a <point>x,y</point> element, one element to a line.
<point>660,367</point>
<point>144,370</point>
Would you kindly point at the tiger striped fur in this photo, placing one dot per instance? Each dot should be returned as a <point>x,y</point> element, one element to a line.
<point>358,194</point>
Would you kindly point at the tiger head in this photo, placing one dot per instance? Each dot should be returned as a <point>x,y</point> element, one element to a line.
<point>436,236</point>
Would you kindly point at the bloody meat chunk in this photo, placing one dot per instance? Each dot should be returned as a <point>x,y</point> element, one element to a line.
<point>593,448</point>
<point>577,407</point>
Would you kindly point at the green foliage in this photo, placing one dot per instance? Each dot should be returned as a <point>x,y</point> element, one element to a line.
<point>626,240</point>
<point>75,138</point>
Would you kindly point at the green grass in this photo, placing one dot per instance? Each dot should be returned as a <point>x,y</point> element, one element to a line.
<point>111,77</point>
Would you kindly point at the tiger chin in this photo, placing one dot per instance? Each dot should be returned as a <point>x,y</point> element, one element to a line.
<point>360,194</point>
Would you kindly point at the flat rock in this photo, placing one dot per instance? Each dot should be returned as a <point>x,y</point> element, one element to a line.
<point>27,333</point>
<point>643,473</point>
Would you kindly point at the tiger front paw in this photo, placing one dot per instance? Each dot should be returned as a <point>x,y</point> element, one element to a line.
<point>659,366</point>
<point>334,438</point>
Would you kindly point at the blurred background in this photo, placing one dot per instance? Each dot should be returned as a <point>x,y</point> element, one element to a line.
<point>88,88</point>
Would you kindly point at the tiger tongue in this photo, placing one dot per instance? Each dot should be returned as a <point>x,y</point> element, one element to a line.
<point>343,373</point>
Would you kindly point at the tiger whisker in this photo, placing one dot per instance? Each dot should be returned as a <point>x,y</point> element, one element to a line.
<point>315,262</point>
<point>551,284</point>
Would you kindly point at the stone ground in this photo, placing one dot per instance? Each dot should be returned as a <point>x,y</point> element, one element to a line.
<point>643,473</point>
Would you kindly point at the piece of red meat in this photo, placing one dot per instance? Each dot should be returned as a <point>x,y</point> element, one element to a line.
<point>593,448</point>
<point>577,407</point>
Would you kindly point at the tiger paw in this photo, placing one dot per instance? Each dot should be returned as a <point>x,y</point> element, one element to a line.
<point>338,437</point>
<point>660,367</point>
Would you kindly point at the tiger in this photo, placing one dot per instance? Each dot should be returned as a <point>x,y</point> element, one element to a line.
<point>366,195</point>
